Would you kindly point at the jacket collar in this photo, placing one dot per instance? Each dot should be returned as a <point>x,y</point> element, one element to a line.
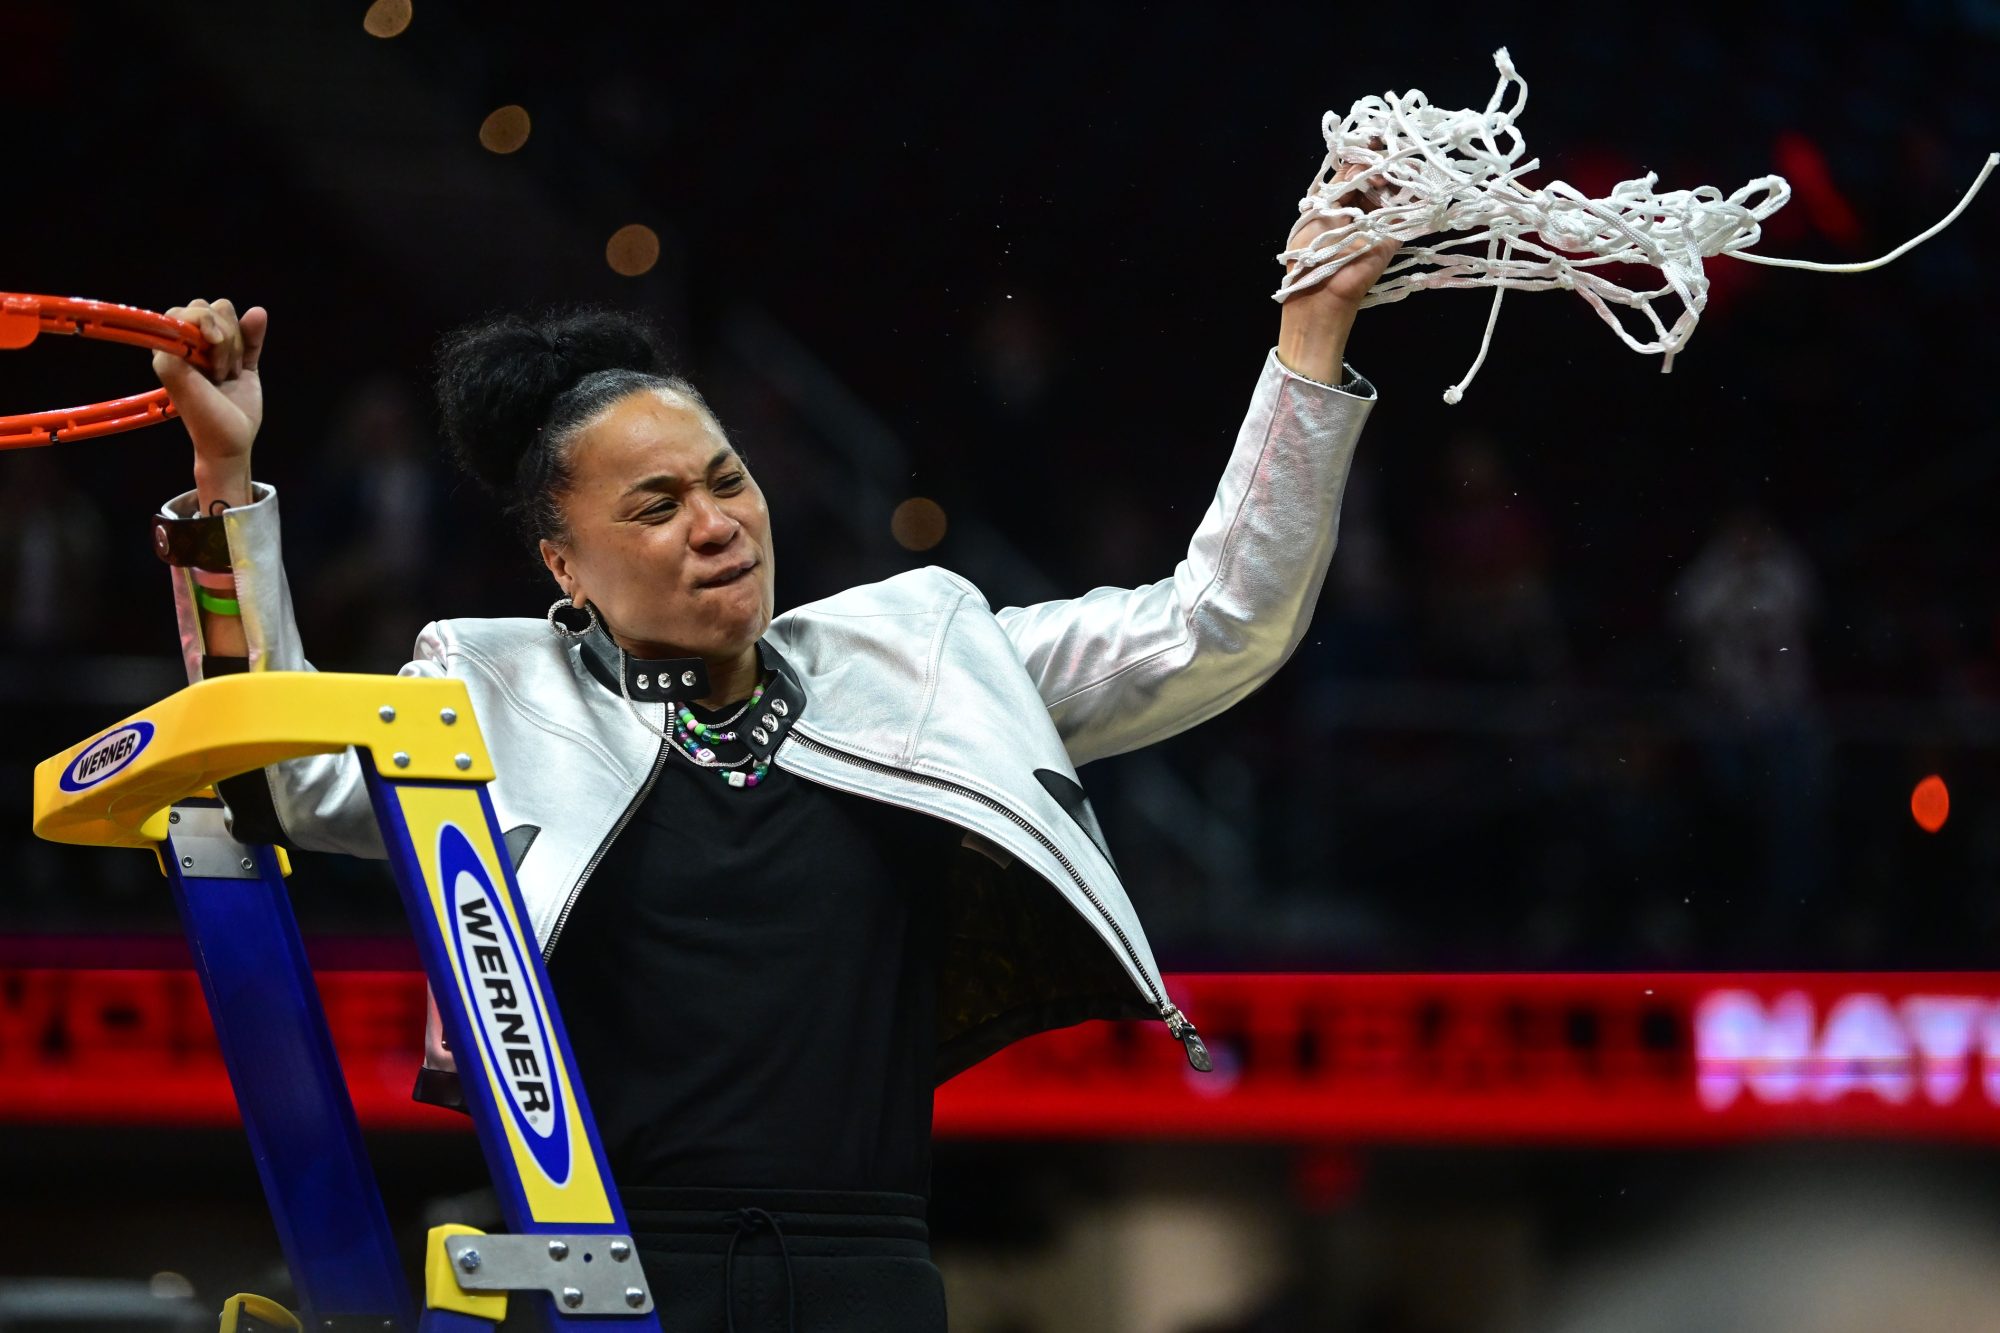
<point>677,680</point>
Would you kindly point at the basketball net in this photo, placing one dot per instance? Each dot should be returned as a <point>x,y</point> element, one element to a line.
<point>1451,191</point>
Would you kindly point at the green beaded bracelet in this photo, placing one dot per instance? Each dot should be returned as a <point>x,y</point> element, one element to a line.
<point>221,606</point>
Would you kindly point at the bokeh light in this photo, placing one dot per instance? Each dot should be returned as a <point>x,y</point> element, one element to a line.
<point>505,129</point>
<point>632,250</point>
<point>1930,804</point>
<point>918,524</point>
<point>386,18</point>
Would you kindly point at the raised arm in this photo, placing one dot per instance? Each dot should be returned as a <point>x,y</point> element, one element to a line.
<point>241,619</point>
<point>1123,667</point>
<point>222,411</point>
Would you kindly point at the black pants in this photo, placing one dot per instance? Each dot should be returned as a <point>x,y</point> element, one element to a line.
<point>787,1261</point>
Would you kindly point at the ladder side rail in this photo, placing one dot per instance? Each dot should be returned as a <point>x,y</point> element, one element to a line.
<point>516,1071</point>
<point>290,1090</point>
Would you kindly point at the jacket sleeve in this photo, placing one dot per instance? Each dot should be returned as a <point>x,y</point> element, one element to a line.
<point>1121,668</point>
<point>321,801</point>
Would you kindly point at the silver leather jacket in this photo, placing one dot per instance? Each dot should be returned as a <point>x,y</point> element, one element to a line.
<point>913,691</point>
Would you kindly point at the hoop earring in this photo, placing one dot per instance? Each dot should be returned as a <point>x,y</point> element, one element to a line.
<point>564,614</point>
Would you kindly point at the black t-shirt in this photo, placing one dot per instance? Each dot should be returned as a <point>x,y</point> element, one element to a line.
<point>749,982</point>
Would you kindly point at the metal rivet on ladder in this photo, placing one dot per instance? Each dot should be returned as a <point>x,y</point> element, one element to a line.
<point>448,715</point>
<point>187,863</point>
<point>558,1249</point>
<point>401,758</point>
<point>572,1297</point>
<point>621,1250</point>
<point>247,863</point>
<point>634,1297</point>
<point>386,713</point>
<point>464,761</point>
<point>469,1261</point>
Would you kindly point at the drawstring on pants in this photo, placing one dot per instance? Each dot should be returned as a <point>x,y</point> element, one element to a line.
<point>855,1261</point>
<point>745,1221</point>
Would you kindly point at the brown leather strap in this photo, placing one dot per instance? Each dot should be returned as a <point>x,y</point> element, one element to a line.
<point>199,543</point>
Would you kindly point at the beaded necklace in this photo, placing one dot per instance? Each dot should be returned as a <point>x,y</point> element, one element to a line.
<point>693,738</point>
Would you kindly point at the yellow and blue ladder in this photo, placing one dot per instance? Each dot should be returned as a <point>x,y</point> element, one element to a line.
<point>567,1260</point>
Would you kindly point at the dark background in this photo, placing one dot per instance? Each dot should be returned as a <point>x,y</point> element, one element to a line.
<point>1017,260</point>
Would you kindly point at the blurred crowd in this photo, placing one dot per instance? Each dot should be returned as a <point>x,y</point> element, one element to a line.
<point>1610,669</point>
<point>1500,745</point>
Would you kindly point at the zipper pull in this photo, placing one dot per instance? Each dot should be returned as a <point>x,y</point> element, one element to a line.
<point>1184,1033</point>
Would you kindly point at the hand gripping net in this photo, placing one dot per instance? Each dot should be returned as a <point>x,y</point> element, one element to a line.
<point>1453,181</point>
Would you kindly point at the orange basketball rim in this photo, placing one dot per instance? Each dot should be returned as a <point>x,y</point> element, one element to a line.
<point>23,318</point>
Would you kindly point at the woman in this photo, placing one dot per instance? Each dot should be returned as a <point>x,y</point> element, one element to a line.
<point>833,857</point>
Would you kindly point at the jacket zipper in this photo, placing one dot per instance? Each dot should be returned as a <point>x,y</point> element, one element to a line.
<point>562,917</point>
<point>1178,1023</point>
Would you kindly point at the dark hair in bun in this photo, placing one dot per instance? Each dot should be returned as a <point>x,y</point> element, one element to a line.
<point>513,391</point>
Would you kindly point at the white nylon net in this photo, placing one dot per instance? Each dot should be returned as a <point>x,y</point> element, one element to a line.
<point>1450,189</point>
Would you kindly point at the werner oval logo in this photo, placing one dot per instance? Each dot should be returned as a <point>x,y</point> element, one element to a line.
<point>513,1026</point>
<point>106,756</point>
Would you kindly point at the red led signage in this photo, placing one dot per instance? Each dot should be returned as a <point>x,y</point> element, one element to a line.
<point>1685,1057</point>
<point>1471,1058</point>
